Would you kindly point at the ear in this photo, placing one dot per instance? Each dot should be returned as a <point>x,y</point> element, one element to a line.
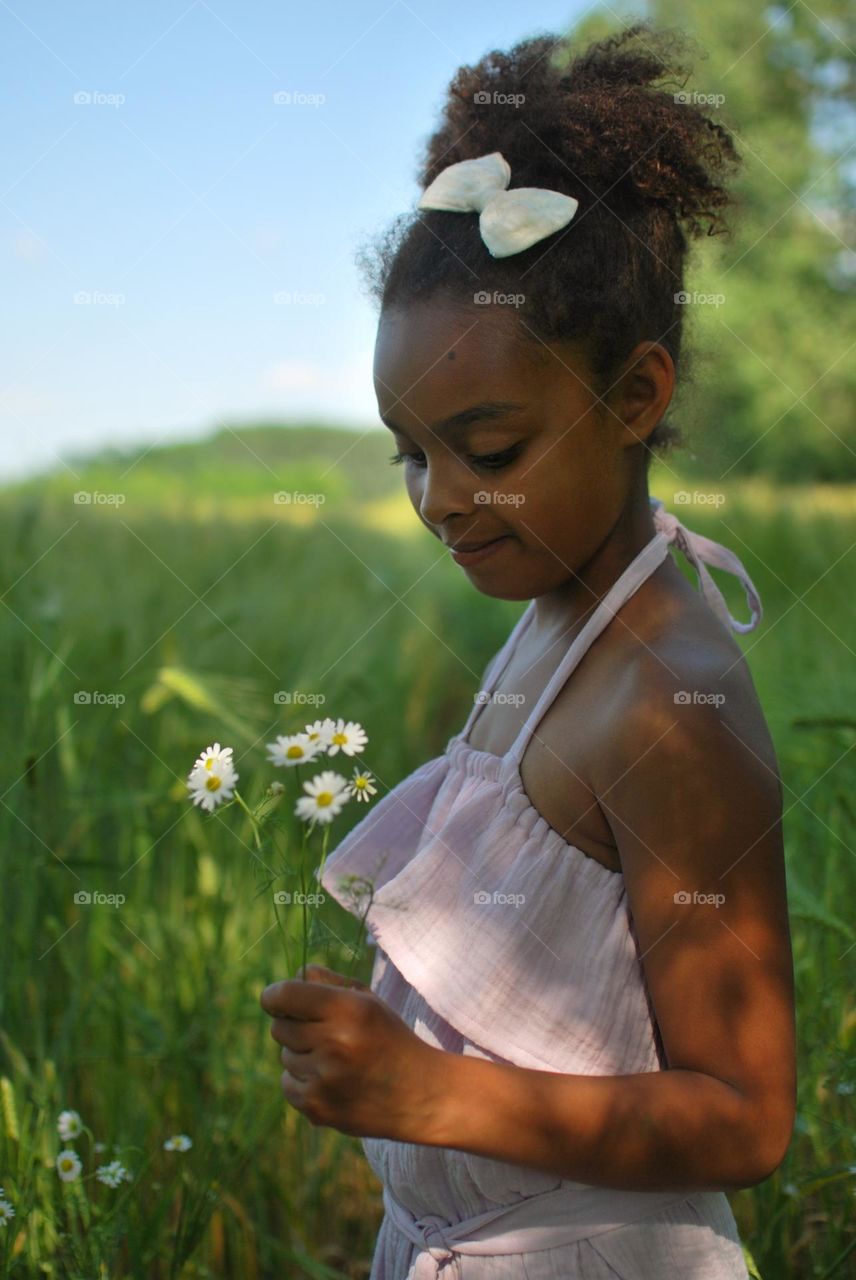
<point>319,973</point>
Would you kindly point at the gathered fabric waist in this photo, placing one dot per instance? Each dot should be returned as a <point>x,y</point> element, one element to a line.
<point>547,1220</point>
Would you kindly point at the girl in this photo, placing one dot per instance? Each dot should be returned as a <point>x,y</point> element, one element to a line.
<point>580,1030</point>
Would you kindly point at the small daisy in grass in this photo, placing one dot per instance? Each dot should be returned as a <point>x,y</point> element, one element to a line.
<point>68,1165</point>
<point>320,731</point>
<point>113,1174</point>
<point>360,786</point>
<point>348,738</point>
<point>69,1125</point>
<point>212,781</point>
<point>294,748</point>
<point>326,794</point>
<point>213,757</point>
<point>7,1213</point>
<point>178,1142</point>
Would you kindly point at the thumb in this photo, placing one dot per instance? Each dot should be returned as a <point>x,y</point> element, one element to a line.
<point>320,973</point>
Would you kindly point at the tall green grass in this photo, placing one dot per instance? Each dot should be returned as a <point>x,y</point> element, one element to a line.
<point>145,1018</point>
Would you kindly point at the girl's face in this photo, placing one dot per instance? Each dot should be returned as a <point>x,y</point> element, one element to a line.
<point>506,441</point>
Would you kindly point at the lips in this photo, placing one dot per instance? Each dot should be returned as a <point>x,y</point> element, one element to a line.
<point>474,546</point>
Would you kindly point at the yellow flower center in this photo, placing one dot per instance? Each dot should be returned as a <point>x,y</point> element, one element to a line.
<point>340,738</point>
<point>324,798</point>
<point>213,783</point>
<point>361,783</point>
<point>209,763</point>
<point>295,751</point>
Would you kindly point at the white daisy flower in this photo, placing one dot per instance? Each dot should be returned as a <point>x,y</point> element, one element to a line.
<point>211,783</point>
<point>68,1165</point>
<point>212,756</point>
<point>112,1174</point>
<point>69,1125</point>
<point>321,731</point>
<point>293,748</point>
<point>325,797</point>
<point>360,786</point>
<point>7,1213</point>
<point>178,1142</point>
<point>348,738</point>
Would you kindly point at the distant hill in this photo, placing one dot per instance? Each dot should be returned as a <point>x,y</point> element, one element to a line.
<point>246,462</point>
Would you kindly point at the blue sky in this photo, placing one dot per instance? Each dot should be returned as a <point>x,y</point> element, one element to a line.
<point>179,246</point>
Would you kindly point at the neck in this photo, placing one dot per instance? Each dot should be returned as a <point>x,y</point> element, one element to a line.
<point>567,607</point>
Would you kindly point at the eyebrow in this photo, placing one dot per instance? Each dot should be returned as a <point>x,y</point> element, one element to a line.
<point>485,411</point>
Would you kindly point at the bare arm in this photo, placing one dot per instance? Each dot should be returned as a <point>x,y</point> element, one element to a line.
<point>694,799</point>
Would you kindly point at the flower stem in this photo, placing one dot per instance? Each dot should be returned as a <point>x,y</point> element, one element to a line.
<point>252,818</point>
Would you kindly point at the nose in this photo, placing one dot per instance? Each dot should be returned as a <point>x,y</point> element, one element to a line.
<point>447,489</point>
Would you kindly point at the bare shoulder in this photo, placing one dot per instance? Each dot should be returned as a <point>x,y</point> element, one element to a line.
<point>689,783</point>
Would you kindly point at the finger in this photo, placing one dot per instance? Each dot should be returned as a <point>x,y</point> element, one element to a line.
<point>295,999</point>
<point>320,973</point>
<point>297,1035</point>
<point>294,1064</point>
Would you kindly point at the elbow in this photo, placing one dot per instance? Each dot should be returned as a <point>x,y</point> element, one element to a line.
<point>763,1149</point>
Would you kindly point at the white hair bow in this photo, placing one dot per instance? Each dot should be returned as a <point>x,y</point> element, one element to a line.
<point>509,221</point>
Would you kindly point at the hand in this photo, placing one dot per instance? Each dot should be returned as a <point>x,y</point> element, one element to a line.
<point>350,1061</point>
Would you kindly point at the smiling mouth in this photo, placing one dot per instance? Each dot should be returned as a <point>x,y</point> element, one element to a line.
<point>474,546</point>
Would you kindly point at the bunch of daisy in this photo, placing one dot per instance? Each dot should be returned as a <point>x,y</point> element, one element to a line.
<point>213,778</point>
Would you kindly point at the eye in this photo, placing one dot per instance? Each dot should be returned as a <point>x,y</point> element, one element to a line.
<point>492,461</point>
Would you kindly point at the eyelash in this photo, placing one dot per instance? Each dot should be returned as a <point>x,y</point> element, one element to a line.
<point>492,461</point>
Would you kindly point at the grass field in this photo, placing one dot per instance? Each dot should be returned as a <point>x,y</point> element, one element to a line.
<point>197,600</point>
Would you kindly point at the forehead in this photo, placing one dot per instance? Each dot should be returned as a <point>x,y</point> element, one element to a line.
<point>438,354</point>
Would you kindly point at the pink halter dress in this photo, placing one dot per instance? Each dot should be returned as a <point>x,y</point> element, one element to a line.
<point>496,938</point>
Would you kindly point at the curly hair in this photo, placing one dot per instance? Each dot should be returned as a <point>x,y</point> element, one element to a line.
<point>643,162</point>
